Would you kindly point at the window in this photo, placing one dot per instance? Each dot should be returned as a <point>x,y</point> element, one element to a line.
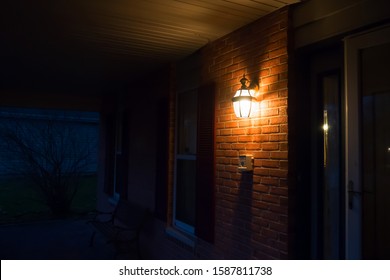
<point>193,209</point>
<point>185,179</point>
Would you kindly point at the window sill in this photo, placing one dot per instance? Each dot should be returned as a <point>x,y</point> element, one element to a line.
<point>184,239</point>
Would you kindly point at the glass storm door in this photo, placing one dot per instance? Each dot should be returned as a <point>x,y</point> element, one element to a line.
<point>367,115</point>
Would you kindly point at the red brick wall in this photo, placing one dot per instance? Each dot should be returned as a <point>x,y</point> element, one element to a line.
<point>251,209</point>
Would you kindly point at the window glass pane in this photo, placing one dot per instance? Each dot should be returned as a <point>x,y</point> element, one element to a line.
<point>187,104</point>
<point>185,191</point>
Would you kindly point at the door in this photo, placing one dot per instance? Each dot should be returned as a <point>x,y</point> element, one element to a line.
<point>367,153</point>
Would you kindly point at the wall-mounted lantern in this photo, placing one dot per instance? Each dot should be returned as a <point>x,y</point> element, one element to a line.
<point>243,99</point>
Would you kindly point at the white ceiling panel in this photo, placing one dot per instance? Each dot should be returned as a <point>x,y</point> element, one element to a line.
<point>89,38</point>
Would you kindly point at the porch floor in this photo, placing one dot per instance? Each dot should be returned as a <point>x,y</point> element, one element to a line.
<point>55,240</point>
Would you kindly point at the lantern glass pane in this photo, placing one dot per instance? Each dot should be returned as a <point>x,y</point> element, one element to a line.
<point>236,106</point>
<point>245,108</point>
<point>242,108</point>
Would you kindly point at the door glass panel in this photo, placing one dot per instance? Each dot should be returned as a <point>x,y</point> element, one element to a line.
<point>331,167</point>
<point>376,151</point>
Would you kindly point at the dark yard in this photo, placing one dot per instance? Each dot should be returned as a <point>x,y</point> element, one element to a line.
<point>29,231</point>
<point>53,240</point>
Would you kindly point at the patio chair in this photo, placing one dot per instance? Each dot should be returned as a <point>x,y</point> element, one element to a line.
<point>122,226</point>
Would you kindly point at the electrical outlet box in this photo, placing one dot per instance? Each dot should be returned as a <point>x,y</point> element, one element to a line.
<point>245,163</point>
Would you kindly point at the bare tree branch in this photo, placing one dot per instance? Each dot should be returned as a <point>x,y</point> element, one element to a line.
<point>54,155</point>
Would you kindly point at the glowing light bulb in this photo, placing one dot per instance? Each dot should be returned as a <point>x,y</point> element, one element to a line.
<point>325,127</point>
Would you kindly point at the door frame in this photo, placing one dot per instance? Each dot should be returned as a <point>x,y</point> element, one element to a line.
<point>353,45</point>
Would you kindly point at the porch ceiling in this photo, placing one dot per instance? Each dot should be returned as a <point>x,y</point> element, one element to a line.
<point>86,45</point>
